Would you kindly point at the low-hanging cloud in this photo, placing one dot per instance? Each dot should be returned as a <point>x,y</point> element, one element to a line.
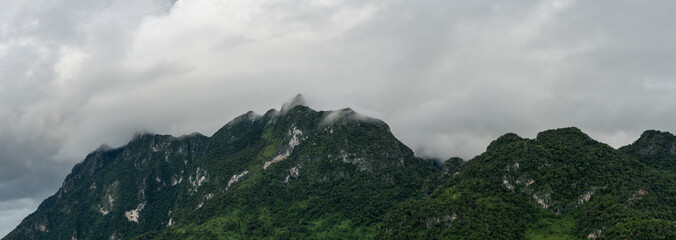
<point>343,115</point>
<point>447,76</point>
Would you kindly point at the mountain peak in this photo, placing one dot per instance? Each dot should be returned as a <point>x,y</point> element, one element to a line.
<point>298,100</point>
<point>654,135</point>
<point>272,164</point>
<point>562,134</point>
<point>654,148</point>
<point>503,140</point>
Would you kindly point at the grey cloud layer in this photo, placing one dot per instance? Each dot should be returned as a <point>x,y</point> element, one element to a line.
<point>448,76</point>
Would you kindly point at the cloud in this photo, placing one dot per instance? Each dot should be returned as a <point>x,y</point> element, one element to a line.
<point>345,115</point>
<point>13,211</point>
<point>447,76</point>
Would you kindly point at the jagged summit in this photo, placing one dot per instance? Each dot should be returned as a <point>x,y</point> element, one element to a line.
<point>298,100</point>
<point>296,111</point>
<point>300,174</point>
<point>104,147</point>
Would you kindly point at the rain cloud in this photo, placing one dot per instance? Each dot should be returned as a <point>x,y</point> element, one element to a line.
<point>447,76</point>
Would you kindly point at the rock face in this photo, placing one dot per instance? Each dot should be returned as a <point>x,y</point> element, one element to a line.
<point>295,173</point>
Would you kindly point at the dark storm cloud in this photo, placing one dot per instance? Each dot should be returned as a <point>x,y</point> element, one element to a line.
<point>447,76</point>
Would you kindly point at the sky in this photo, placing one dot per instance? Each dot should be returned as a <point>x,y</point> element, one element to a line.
<point>447,76</point>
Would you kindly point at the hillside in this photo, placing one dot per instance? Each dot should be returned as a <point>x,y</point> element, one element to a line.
<point>297,173</point>
<point>654,148</point>
<point>286,174</point>
<point>561,185</point>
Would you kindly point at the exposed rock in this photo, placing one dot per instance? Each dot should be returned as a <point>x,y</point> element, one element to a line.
<point>133,215</point>
<point>296,137</point>
<point>235,178</point>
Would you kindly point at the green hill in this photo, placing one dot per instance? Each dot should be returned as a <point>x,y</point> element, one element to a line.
<point>305,174</point>
<point>561,185</point>
<point>295,173</point>
<point>654,148</point>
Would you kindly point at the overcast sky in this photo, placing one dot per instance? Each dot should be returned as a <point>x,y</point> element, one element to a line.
<point>447,76</point>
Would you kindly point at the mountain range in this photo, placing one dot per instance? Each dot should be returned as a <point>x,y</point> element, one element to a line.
<point>299,173</point>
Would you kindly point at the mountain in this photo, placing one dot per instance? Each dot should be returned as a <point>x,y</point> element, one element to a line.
<point>298,173</point>
<point>654,148</point>
<point>294,173</point>
<point>560,185</point>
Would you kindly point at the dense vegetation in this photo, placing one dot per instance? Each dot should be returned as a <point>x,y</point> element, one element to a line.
<point>300,173</point>
<point>349,175</point>
<point>656,149</point>
<point>561,185</point>
<point>297,173</point>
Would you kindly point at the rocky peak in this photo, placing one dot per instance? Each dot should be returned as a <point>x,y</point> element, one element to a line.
<point>298,100</point>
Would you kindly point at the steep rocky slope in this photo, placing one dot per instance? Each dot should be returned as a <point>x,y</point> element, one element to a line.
<point>290,173</point>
